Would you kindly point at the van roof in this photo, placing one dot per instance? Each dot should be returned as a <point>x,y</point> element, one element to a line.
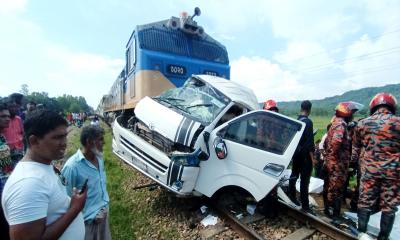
<point>236,92</point>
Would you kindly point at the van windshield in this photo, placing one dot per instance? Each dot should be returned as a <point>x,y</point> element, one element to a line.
<point>195,99</point>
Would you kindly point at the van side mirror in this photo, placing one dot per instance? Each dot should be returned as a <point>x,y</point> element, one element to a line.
<point>220,148</point>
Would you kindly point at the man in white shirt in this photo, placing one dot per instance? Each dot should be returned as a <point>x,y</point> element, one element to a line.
<point>35,201</point>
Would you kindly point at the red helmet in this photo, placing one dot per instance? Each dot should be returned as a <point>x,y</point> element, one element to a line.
<point>270,105</point>
<point>347,109</point>
<point>383,99</point>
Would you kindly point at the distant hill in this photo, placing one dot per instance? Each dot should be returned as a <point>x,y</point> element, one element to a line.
<point>327,105</point>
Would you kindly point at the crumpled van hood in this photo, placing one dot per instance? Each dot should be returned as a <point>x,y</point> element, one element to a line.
<point>166,122</point>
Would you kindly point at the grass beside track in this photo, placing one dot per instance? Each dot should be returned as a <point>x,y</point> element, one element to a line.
<point>320,123</point>
<point>133,214</point>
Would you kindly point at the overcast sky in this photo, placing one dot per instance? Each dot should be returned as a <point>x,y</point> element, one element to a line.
<point>285,50</point>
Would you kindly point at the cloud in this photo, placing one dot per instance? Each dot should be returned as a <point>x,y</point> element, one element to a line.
<point>373,61</point>
<point>302,56</point>
<point>76,62</point>
<point>291,20</point>
<point>311,20</point>
<point>384,14</point>
<point>10,7</point>
<point>81,74</point>
<point>265,78</point>
<point>46,66</point>
<point>334,64</point>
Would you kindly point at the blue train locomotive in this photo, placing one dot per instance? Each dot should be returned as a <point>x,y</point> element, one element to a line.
<point>160,56</point>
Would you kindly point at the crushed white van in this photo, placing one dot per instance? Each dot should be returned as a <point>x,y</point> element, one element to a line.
<point>207,135</point>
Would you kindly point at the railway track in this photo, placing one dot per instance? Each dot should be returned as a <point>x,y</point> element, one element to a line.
<point>239,227</point>
<point>313,225</point>
<point>317,223</point>
<point>308,224</point>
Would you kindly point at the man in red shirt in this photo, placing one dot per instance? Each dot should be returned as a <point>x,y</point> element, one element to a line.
<point>15,131</point>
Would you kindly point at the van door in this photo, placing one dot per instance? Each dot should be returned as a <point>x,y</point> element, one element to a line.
<point>251,151</point>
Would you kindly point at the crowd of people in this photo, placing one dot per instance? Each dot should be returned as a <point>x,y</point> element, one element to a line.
<point>371,148</point>
<point>39,201</point>
<point>75,118</point>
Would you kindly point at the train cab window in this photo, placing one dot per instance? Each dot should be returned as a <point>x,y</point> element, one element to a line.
<point>263,130</point>
<point>133,53</point>
<point>128,60</point>
<point>131,56</point>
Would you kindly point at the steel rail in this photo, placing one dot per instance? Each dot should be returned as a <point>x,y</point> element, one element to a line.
<point>242,229</point>
<point>317,223</point>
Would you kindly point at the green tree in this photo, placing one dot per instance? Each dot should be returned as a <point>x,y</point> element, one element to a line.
<point>74,107</point>
<point>73,104</point>
<point>24,89</point>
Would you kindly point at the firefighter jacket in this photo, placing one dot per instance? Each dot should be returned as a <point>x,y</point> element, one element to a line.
<point>338,147</point>
<point>378,139</point>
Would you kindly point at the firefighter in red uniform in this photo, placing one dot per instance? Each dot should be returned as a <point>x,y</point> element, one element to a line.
<point>337,158</point>
<point>271,105</point>
<point>378,136</point>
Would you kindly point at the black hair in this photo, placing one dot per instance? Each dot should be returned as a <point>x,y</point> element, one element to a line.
<point>41,122</point>
<point>90,132</point>
<point>274,109</point>
<point>16,98</point>
<point>32,103</point>
<point>306,105</point>
<point>3,106</point>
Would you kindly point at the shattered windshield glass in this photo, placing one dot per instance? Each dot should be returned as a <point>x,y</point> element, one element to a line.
<point>195,98</point>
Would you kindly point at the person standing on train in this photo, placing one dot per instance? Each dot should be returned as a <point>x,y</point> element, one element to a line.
<point>337,157</point>
<point>379,138</point>
<point>303,160</point>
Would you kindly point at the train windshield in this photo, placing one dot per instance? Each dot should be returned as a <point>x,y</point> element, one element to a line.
<point>195,99</point>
